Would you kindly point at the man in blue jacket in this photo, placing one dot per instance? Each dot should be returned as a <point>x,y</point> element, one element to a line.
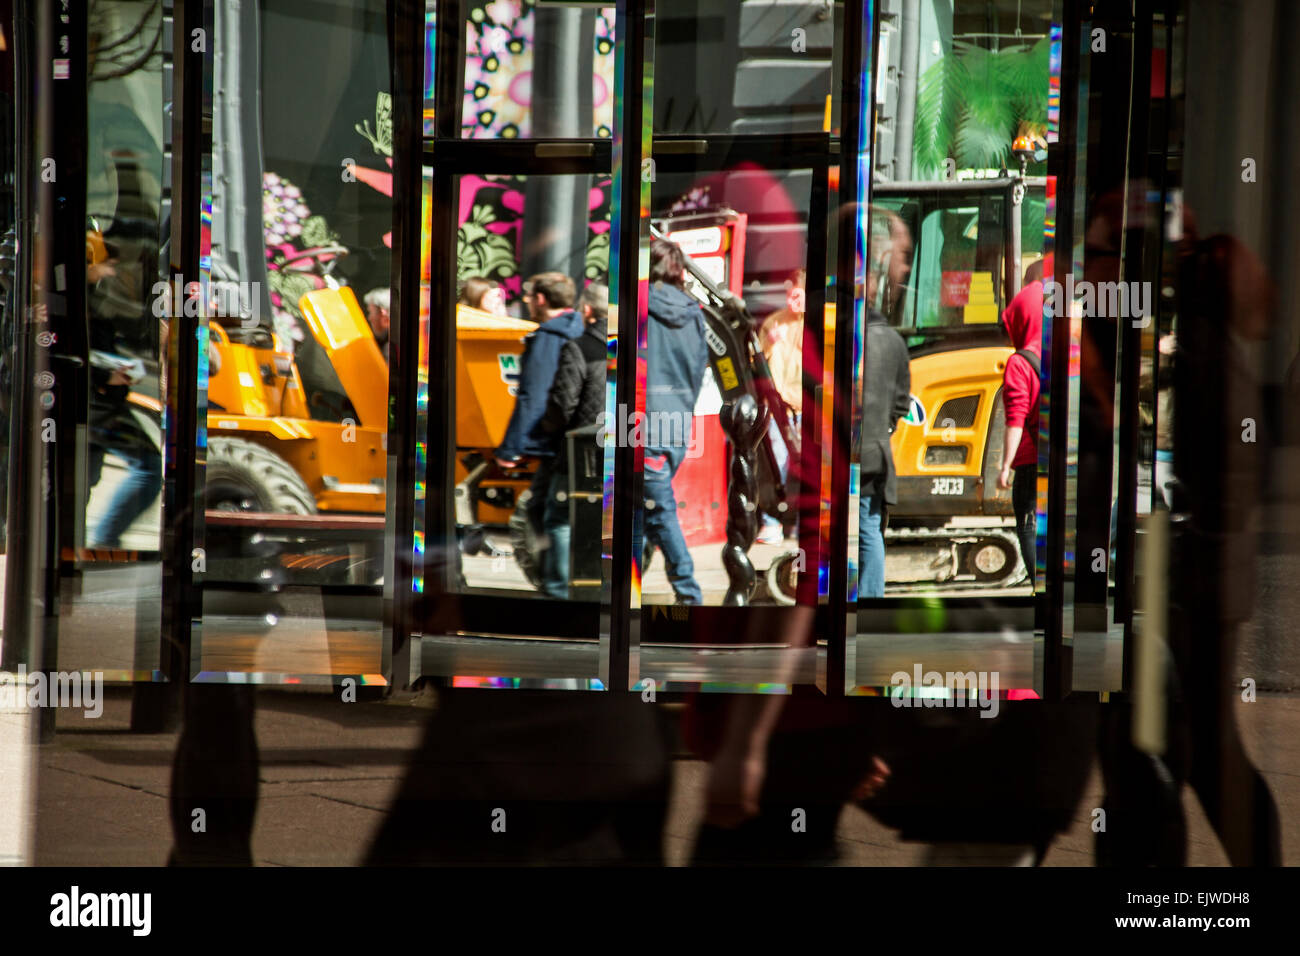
<point>676,356</point>
<point>549,297</point>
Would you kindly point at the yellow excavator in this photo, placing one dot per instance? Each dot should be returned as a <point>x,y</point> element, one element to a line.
<point>952,524</point>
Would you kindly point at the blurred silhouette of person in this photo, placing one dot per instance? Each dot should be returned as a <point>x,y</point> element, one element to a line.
<point>116,278</point>
<point>1221,446</point>
<point>530,777</point>
<point>886,399</point>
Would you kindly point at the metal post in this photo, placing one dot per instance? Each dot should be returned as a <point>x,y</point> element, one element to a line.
<point>631,149</point>
<point>406,33</point>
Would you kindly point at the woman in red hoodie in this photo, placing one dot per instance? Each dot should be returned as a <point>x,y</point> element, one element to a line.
<point>1023,320</point>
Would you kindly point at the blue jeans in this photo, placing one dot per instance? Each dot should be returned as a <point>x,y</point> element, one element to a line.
<point>136,492</point>
<point>555,525</point>
<point>782,455</point>
<point>662,528</point>
<point>871,547</point>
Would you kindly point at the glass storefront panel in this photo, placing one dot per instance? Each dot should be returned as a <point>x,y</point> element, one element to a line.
<point>521,480</point>
<point>946,518</point>
<point>110,535</point>
<point>293,415</point>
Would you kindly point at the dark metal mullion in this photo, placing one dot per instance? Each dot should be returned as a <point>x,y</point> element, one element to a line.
<point>1057,658</point>
<point>439,532</point>
<point>182,599</point>
<point>812,451</point>
<point>493,157</point>
<point>449,70</point>
<point>1134,266</point>
<point>633,23</point>
<point>406,64</point>
<point>718,152</point>
<point>439,511</point>
<point>851,126</point>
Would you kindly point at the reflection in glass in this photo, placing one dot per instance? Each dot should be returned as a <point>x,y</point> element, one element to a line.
<point>746,68</point>
<point>539,73</point>
<point>742,232</point>
<point>294,406</point>
<point>108,625</point>
<point>957,223</point>
<point>531,364</point>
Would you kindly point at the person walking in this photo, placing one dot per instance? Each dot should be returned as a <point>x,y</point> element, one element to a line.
<point>1021,383</point>
<point>577,399</point>
<point>549,297</point>
<point>676,357</point>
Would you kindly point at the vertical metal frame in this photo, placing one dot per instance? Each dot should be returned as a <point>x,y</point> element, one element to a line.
<point>48,294</point>
<point>1138,249</point>
<point>1058,385</point>
<point>186,358</point>
<point>406,72</point>
<point>857,124</point>
<point>630,237</point>
<point>437,606</point>
<point>621,618</point>
<point>439,526</point>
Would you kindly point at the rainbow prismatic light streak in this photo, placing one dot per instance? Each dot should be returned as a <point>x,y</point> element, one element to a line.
<point>422,384</point>
<point>861,241</point>
<point>430,46</point>
<point>1054,84</point>
<point>628,160</point>
<point>1045,392</point>
<point>1049,250</point>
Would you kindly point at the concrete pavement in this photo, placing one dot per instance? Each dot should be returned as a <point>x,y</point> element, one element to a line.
<point>330,770</point>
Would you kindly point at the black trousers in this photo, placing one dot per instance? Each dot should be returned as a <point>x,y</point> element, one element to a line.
<point>1024,499</point>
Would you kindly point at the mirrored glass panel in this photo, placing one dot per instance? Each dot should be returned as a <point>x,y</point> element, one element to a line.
<point>949,487</point>
<point>111,529</point>
<point>294,406</point>
<point>538,70</point>
<point>746,68</point>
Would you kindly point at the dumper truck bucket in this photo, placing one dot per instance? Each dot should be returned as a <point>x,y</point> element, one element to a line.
<point>339,325</point>
<point>488,350</point>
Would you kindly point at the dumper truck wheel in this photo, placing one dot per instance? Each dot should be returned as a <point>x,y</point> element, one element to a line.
<point>244,476</point>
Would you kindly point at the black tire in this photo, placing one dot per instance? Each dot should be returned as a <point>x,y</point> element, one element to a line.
<point>244,476</point>
<point>782,579</point>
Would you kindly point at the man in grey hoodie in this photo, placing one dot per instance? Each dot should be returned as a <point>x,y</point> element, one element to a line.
<point>676,357</point>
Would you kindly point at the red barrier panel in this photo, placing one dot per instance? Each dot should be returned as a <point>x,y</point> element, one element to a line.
<point>701,485</point>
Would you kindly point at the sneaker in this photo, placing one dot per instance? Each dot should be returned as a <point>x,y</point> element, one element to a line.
<point>771,534</point>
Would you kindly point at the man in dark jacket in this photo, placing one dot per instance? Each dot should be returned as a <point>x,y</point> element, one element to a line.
<point>549,297</point>
<point>886,395</point>
<point>115,301</point>
<point>676,356</point>
<point>577,399</point>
